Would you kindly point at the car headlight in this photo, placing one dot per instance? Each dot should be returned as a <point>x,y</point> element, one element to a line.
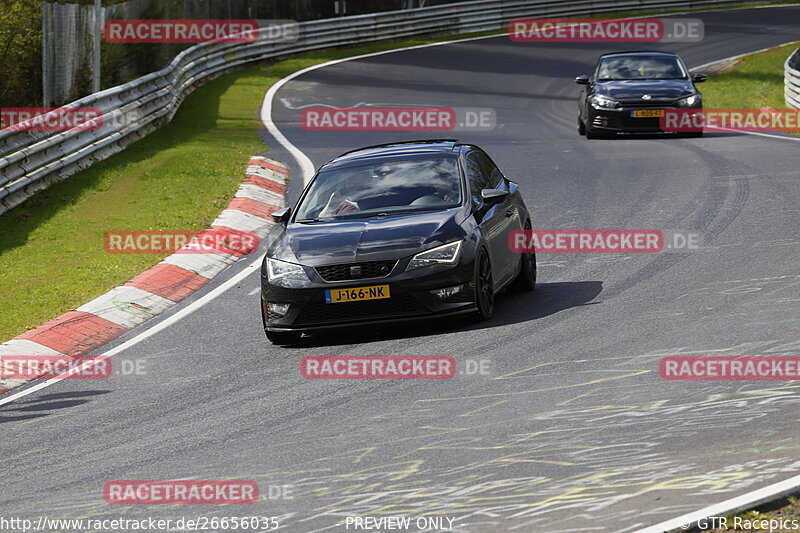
<point>285,274</point>
<point>688,101</point>
<point>603,102</point>
<point>445,254</point>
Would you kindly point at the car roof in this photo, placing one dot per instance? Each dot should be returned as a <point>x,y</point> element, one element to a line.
<point>640,53</point>
<point>398,150</point>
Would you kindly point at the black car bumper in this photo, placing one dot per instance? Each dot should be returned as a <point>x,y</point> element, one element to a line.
<point>411,296</point>
<point>621,120</point>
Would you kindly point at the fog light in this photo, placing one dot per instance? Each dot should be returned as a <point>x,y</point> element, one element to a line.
<point>278,309</point>
<point>448,292</point>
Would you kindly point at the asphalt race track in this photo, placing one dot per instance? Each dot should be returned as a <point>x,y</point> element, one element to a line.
<point>570,428</point>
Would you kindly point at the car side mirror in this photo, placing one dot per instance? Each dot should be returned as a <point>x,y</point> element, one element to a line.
<point>281,216</point>
<point>493,196</point>
<point>582,80</point>
<point>699,77</point>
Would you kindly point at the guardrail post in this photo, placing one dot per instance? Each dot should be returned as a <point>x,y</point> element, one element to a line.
<point>32,160</point>
<point>792,80</point>
<point>98,31</point>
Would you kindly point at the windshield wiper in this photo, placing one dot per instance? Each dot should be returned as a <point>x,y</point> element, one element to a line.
<point>387,213</point>
<point>310,220</point>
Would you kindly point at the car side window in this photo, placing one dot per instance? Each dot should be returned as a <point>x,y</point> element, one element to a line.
<point>491,170</point>
<point>478,179</point>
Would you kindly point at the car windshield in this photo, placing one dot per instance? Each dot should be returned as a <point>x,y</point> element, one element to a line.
<point>641,68</point>
<point>384,188</point>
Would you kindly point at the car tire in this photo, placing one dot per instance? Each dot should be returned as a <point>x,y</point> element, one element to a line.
<point>484,286</point>
<point>581,127</point>
<point>526,279</point>
<point>283,338</point>
<point>592,133</point>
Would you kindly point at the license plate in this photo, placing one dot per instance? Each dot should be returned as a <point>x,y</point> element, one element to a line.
<point>376,292</point>
<point>647,113</point>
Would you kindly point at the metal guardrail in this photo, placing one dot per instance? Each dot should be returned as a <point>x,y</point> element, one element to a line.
<point>792,80</point>
<point>32,160</point>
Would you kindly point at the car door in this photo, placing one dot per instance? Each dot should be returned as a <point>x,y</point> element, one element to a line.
<point>492,221</point>
<point>509,209</point>
<point>583,99</point>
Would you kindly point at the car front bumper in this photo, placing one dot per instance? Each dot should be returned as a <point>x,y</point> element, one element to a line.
<point>411,297</point>
<point>622,119</point>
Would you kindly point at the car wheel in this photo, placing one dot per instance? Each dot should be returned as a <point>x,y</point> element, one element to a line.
<point>592,133</point>
<point>581,127</point>
<point>526,279</point>
<point>484,287</point>
<point>283,338</point>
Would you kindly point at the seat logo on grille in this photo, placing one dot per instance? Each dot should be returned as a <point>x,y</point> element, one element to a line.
<point>355,270</point>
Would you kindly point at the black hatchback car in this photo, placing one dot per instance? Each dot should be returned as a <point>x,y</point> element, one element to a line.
<point>393,233</point>
<point>631,91</point>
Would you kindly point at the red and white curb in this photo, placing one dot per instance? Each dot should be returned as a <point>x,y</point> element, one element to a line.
<point>154,291</point>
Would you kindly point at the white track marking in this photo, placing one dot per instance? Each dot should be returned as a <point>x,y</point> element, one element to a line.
<point>770,135</point>
<point>734,505</point>
<point>731,58</point>
<point>308,171</point>
<point>306,166</point>
<point>705,65</point>
<point>183,313</point>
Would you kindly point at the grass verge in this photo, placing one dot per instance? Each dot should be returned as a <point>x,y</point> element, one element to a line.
<point>755,82</point>
<point>768,518</point>
<point>179,177</point>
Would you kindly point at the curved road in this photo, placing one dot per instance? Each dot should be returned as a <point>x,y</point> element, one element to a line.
<point>570,428</point>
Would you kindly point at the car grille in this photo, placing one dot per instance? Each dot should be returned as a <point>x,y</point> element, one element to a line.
<point>370,269</point>
<point>399,305</point>
<point>648,103</point>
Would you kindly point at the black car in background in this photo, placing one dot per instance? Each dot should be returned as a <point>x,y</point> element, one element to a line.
<point>391,233</point>
<point>630,91</point>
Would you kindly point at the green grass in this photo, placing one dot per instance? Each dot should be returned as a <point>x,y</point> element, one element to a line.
<point>179,177</point>
<point>626,14</point>
<point>755,82</point>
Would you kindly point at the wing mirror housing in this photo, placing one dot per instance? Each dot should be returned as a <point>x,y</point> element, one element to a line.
<point>582,80</point>
<point>493,196</point>
<point>699,77</point>
<point>281,216</point>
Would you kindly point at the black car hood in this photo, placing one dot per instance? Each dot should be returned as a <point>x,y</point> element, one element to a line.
<point>366,239</point>
<point>633,90</point>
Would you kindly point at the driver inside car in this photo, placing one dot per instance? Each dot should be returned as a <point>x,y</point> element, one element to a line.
<point>355,186</point>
